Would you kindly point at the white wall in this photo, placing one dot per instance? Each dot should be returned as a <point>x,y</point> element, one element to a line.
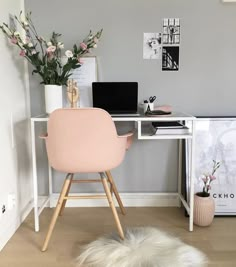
<point>14,137</point>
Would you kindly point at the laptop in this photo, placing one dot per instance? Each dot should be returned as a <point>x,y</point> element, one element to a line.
<point>117,98</point>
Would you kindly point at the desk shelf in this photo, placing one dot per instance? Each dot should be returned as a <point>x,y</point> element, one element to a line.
<point>164,136</point>
<point>147,132</point>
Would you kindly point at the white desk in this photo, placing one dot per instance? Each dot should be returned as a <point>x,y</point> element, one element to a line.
<point>176,116</point>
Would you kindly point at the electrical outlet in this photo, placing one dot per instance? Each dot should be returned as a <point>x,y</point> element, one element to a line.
<point>3,208</point>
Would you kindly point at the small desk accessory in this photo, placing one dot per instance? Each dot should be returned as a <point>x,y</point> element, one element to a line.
<point>156,112</point>
<point>72,93</point>
<point>149,104</point>
<point>159,111</point>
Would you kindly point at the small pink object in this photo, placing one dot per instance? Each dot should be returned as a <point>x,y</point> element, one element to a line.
<point>83,46</point>
<point>165,108</point>
<point>13,40</point>
<point>22,53</point>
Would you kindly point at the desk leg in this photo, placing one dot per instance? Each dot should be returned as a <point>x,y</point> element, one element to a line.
<point>35,180</point>
<point>192,168</point>
<point>180,169</point>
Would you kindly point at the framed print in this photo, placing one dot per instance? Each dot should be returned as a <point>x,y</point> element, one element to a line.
<point>215,139</point>
<point>171,29</point>
<point>84,77</point>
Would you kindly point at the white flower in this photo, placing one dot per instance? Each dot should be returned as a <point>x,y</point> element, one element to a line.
<point>16,33</point>
<point>33,52</point>
<point>25,23</point>
<point>68,53</point>
<point>24,20</point>
<point>30,45</point>
<point>60,45</point>
<point>49,43</point>
<point>95,46</point>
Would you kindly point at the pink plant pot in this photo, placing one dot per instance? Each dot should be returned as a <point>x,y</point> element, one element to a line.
<point>204,210</point>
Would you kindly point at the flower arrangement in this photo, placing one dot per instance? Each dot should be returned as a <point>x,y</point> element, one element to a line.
<point>46,55</point>
<point>208,179</point>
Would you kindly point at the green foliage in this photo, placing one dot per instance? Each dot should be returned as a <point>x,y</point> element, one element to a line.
<point>46,56</point>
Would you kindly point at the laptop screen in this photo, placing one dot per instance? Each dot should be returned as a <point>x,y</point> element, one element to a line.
<point>116,97</point>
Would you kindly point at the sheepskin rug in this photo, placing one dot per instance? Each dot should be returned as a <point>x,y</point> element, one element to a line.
<point>142,247</point>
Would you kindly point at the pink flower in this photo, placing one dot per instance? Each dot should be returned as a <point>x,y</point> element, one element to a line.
<point>51,49</point>
<point>212,177</point>
<point>83,46</point>
<point>204,180</point>
<point>22,53</point>
<point>13,40</point>
<point>80,61</point>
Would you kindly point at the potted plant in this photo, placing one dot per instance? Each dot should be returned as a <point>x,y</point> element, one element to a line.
<point>46,56</point>
<point>204,205</point>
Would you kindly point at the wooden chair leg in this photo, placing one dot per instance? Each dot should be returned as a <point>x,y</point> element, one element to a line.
<point>111,203</point>
<point>67,193</point>
<point>56,212</point>
<point>109,176</point>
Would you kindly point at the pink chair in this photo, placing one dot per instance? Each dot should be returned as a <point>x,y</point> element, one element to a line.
<point>84,141</point>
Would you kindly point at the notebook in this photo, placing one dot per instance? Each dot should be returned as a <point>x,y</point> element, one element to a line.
<point>117,98</point>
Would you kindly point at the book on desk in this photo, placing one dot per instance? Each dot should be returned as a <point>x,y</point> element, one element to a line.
<point>169,127</point>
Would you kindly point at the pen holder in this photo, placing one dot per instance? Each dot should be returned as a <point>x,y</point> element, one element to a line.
<point>145,107</point>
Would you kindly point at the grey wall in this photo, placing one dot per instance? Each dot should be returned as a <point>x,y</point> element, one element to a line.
<point>204,85</point>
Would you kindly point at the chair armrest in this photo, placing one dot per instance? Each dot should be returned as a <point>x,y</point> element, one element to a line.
<point>129,134</point>
<point>129,138</point>
<point>43,136</point>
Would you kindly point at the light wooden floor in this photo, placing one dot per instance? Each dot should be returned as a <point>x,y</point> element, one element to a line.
<point>78,226</point>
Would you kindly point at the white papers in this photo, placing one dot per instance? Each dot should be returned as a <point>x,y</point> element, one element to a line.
<point>84,76</point>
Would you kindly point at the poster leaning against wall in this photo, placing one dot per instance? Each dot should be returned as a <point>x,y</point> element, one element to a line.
<point>216,140</point>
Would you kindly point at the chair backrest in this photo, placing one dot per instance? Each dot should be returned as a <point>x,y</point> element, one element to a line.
<point>83,140</point>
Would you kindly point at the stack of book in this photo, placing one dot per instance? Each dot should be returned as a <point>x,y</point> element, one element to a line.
<point>169,127</point>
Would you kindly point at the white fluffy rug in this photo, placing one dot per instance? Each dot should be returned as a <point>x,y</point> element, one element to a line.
<point>142,247</point>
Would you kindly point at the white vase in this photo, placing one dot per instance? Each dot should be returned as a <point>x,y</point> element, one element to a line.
<point>53,97</point>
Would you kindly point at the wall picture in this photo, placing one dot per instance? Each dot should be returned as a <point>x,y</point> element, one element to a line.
<point>170,58</point>
<point>171,31</point>
<point>152,45</point>
<point>216,140</point>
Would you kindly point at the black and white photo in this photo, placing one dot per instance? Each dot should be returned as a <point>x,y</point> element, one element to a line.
<point>171,31</point>
<point>170,58</point>
<point>152,45</point>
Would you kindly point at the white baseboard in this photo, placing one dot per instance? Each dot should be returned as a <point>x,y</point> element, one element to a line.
<point>14,224</point>
<point>128,199</point>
